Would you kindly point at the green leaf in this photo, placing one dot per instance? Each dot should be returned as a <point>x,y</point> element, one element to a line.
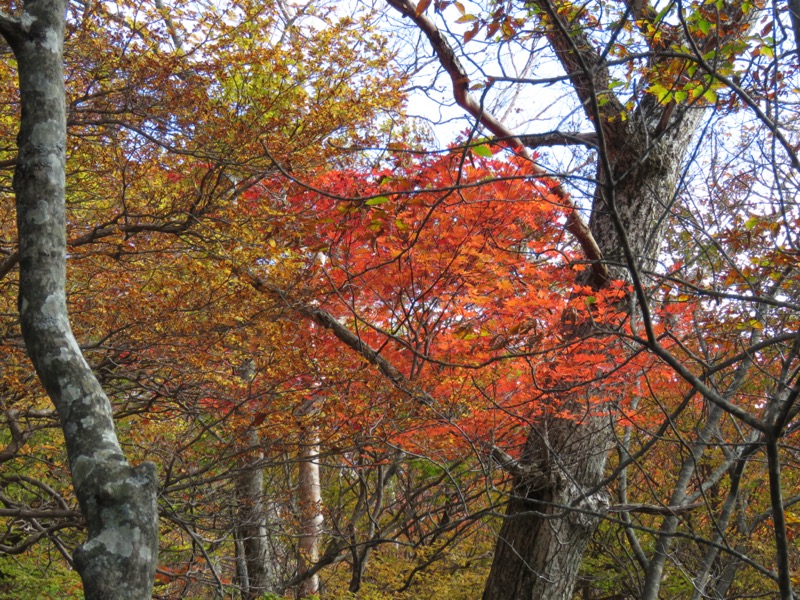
<point>483,151</point>
<point>660,16</point>
<point>756,324</point>
<point>377,201</point>
<point>660,92</point>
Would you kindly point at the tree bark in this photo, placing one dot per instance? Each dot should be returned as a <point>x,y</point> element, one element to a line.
<point>310,510</point>
<point>550,519</point>
<point>542,540</point>
<point>118,500</point>
<point>257,571</point>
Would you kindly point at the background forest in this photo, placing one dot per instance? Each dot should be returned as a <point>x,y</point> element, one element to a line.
<point>441,300</point>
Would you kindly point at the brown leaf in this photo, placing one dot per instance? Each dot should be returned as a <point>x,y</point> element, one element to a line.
<point>472,32</point>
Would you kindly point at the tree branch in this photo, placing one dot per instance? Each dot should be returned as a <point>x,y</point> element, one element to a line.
<point>460,80</point>
<point>18,437</point>
<point>11,29</point>
<point>510,464</point>
<point>559,138</point>
<point>587,70</point>
<point>651,509</point>
<point>794,13</point>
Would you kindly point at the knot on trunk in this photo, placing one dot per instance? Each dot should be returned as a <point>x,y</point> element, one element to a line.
<point>590,509</point>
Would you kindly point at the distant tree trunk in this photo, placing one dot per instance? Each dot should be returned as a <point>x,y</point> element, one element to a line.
<point>310,492</point>
<point>118,501</point>
<point>256,566</point>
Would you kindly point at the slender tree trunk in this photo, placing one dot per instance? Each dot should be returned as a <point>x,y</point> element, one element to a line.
<point>257,572</point>
<point>242,579</point>
<point>310,509</point>
<point>655,568</point>
<point>118,501</point>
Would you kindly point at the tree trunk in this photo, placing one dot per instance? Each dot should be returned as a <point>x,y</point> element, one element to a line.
<point>310,510</point>
<point>550,519</point>
<point>118,500</point>
<point>256,570</point>
<point>541,543</point>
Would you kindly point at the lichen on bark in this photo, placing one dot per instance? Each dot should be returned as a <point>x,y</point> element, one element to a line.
<point>118,500</point>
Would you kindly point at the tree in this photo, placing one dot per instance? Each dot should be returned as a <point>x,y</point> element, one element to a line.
<point>117,500</point>
<point>619,388</point>
<point>126,108</point>
<point>641,138</point>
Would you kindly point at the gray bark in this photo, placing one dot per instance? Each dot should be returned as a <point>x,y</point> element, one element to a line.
<point>118,500</point>
<point>542,540</point>
<point>256,567</point>
<point>655,567</point>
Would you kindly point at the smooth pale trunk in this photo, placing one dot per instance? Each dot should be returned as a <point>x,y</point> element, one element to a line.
<point>311,517</point>
<point>255,564</point>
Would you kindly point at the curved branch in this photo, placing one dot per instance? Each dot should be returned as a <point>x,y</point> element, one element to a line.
<point>18,437</point>
<point>11,29</point>
<point>586,69</point>
<point>460,80</point>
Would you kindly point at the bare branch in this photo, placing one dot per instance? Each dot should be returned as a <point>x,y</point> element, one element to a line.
<point>31,513</point>
<point>651,509</point>
<point>510,464</point>
<point>173,32</point>
<point>460,80</point>
<point>18,437</point>
<point>11,29</point>
<point>587,70</point>
<point>559,138</point>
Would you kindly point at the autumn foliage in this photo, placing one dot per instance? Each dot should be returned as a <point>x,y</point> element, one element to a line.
<point>273,271</point>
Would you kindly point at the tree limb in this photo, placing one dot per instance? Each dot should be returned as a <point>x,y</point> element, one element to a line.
<point>18,437</point>
<point>460,80</point>
<point>11,29</point>
<point>587,70</point>
<point>559,138</point>
<point>651,509</point>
